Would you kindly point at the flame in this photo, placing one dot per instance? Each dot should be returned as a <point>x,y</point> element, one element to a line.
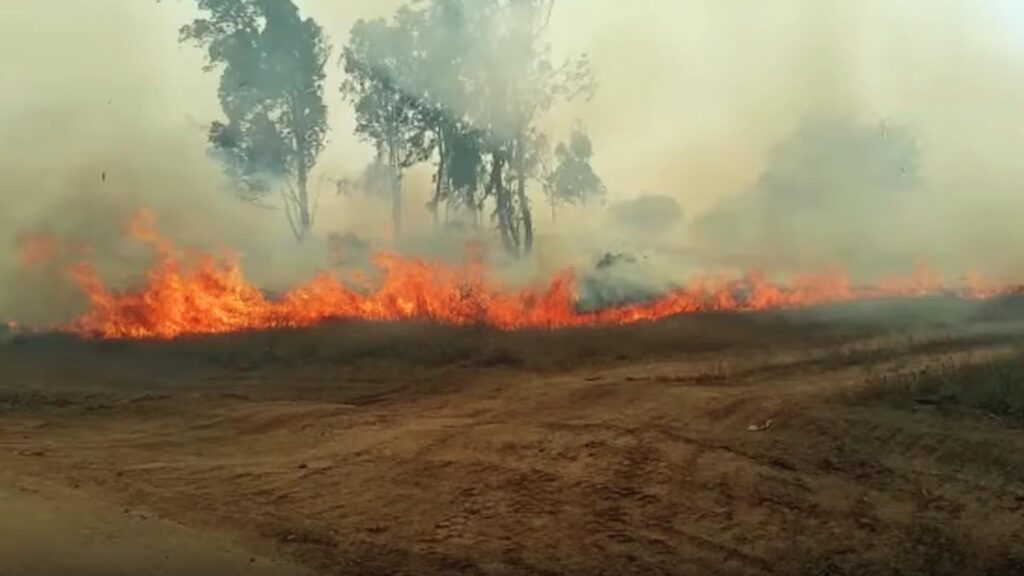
<point>191,293</point>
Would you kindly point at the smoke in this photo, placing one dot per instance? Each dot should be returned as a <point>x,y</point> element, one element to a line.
<point>709,103</point>
<point>832,193</point>
<point>101,114</point>
<point>650,215</point>
<point>720,105</point>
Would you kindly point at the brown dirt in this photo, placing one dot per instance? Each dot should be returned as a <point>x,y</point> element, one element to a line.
<point>734,445</point>
<point>53,530</point>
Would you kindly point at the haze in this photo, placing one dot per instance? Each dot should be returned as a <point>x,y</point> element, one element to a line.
<point>101,107</point>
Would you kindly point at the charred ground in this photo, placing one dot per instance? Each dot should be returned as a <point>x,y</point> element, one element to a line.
<point>867,438</point>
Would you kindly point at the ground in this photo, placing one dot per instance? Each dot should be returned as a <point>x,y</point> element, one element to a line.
<point>732,444</point>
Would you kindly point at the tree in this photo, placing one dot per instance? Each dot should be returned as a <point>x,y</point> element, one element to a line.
<point>375,180</point>
<point>512,81</point>
<point>271,93</point>
<point>379,62</point>
<point>573,180</point>
<point>444,42</point>
<point>464,82</point>
<point>460,171</point>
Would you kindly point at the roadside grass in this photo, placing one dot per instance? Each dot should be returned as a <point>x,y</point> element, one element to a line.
<point>992,386</point>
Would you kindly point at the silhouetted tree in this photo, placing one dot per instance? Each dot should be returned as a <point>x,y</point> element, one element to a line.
<point>271,93</point>
<point>573,180</point>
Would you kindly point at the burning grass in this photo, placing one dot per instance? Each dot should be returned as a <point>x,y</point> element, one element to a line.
<point>188,293</point>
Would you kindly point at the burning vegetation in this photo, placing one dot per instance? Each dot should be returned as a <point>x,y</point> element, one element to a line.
<point>465,91</point>
<point>190,292</point>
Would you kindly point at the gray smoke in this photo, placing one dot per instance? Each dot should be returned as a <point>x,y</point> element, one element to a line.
<point>765,122</point>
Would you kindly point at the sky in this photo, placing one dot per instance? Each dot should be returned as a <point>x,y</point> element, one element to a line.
<point>693,97</point>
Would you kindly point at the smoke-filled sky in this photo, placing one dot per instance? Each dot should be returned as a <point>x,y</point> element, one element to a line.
<point>694,95</point>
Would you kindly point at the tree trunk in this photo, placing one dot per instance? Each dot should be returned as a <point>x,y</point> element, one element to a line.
<point>396,193</point>
<point>304,225</point>
<point>396,204</point>
<point>439,184</point>
<point>504,204</point>
<point>524,207</point>
<point>305,218</point>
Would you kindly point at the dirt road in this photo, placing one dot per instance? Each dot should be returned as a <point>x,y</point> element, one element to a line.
<point>53,530</point>
<point>719,446</point>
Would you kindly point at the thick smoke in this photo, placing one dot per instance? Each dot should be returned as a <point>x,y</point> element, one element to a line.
<point>833,193</point>
<point>805,134</point>
<point>103,115</point>
<point>713,104</point>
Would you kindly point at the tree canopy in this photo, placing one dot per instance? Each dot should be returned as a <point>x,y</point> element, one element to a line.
<point>464,82</point>
<point>271,92</point>
<point>380,63</point>
<point>573,180</point>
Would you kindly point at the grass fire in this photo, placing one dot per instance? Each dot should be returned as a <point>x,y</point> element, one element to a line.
<point>195,293</point>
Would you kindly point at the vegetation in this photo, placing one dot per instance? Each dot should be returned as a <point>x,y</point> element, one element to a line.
<point>573,180</point>
<point>994,386</point>
<point>378,57</point>
<point>460,83</point>
<point>271,93</point>
<point>465,83</point>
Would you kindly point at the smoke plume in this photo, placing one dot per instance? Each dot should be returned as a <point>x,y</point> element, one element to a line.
<point>792,134</point>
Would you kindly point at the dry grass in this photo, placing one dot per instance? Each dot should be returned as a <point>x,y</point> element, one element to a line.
<point>992,386</point>
<point>705,444</point>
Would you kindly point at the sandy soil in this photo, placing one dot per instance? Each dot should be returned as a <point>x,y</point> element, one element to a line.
<point>734,445</point>
<point>56,530</point>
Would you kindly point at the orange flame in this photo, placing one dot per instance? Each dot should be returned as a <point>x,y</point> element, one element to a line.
<point>203,294</point>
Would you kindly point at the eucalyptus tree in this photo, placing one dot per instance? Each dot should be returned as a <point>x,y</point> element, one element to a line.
<point>380,67</point>
<point>271,93</point>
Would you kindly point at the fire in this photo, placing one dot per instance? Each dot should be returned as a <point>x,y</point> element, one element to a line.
<point>205,294</point>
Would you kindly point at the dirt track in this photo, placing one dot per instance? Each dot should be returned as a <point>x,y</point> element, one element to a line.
<point>705,445</point>
<point>57,531</point>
